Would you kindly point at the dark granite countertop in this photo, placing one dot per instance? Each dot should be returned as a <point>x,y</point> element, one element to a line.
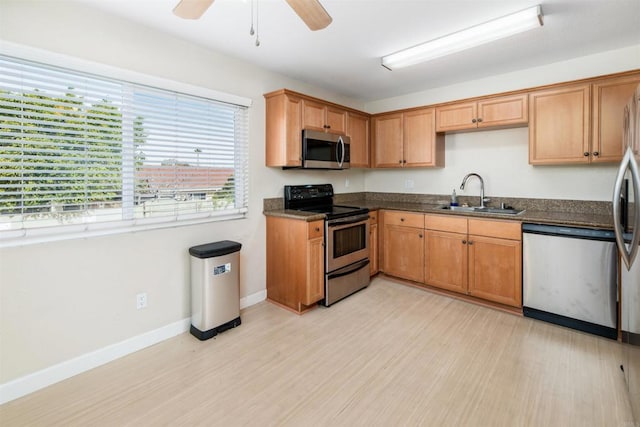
<point>539,211</point>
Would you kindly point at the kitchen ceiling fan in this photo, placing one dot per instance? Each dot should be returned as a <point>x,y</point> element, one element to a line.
<point>310,11</point>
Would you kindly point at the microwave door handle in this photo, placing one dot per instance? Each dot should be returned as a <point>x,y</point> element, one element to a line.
<point>341,152</point>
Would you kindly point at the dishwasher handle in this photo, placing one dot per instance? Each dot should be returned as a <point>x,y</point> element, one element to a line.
<point>570,232</point>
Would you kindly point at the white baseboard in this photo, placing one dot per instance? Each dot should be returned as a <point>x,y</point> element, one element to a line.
<point>252,299</point>
<point>53,374</point>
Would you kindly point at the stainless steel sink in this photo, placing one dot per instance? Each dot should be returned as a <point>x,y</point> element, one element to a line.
<point>477,209</point>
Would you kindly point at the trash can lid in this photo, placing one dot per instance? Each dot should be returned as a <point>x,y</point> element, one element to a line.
<point>209,250</point>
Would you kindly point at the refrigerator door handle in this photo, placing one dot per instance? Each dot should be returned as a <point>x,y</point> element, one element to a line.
<point>628,162</point>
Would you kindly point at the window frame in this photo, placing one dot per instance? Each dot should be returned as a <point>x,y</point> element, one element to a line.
<point>23,236</point>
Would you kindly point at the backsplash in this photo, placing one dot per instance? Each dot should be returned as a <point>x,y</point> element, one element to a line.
<point>546,205</point>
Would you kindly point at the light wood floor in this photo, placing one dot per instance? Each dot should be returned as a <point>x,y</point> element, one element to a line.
<point>390,355</point>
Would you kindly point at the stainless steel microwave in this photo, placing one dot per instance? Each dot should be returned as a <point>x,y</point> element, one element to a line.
<point>322,150</point>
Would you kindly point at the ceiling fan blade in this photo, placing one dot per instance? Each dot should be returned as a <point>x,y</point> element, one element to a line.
<point>191,9</point>
<point>311,12</point>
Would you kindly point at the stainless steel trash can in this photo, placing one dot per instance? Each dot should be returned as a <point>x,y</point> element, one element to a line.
<point>215,288</point>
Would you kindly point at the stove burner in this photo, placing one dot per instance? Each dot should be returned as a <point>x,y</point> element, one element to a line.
<point>319,199</point>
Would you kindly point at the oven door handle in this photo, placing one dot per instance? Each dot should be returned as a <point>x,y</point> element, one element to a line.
<point>348,269</point>
<point>349,220</point>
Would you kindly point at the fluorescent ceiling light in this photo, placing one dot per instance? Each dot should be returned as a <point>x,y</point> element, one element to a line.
<point>506,26</point>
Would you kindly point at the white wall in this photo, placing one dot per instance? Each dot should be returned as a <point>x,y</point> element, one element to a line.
<point>65,299</point>
<point>501,156</point>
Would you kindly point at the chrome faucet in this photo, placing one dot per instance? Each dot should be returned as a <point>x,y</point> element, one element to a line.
<point>464,181</point>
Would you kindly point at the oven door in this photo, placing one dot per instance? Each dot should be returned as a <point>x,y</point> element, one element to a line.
<point>347,241</point>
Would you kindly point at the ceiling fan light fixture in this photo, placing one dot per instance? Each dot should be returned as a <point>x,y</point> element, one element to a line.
<point>496,29</point>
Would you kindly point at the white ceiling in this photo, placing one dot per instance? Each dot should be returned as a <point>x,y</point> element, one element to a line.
<point>345,57</point>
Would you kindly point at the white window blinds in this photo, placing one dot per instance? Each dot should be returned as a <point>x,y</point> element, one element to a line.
<point>78,151</point>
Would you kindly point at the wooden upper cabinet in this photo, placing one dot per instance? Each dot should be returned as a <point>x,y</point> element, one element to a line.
<point>457,116</point>
<point>421,146</point>
<point>283,130</point>
<point>504,111</point>
<point>609,98</point>
<point>559,126</point>
<point>288,113</point>
<point>313,115</point>
<point>407,139</point>
<point>387,140</point>
<point>492,112</point>
<point>336,120</point>
<point>358,131</point>
<point>323,118</point>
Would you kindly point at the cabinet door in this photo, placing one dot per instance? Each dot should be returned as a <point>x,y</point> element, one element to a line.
<point>421,147</point>
<point>314,289</point>
<point>404,252</point>
<point>336,120</point>
<point>286,239</point>
<point>313,115</point>
<point>373,249</point>
<point>559,126</point>
<point>456,117</point>
<point>283,130</point>
<point>495,270</point>
<point>504,111</point>
<point>358,131</point>
<point>609,100</point>
<point>446,260</point>
<point>387,135</point>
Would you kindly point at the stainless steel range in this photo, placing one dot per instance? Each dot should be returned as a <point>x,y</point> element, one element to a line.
<point>346,260</point>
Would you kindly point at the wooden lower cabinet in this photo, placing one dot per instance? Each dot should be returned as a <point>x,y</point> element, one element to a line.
<point>373,242</point>
<point>495,269</point>
<point>446,260</point>
<point>404,245</point>
<point>477,257</point>
<point>295,262</point>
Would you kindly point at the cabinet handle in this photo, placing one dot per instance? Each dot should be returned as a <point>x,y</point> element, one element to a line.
<point>473,120</point>
<point>464,242</point>
<point>401,219</point>
<point>420,235</point>
<point>404,161</point>
<point>480,120</point>
<point>317,229</point>
<point>596,153</point>
<point>586,154</point>
<point>470,242</point>
<point>400,161</point>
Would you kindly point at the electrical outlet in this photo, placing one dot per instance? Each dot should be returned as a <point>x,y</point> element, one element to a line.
<point>141,300</point>
<point>346,182</point>
<point>408,183</point>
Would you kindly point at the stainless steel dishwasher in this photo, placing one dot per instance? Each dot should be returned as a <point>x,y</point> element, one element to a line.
<point>569,277</point>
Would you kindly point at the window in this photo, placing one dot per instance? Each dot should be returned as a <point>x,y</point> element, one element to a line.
<point>80,152</point>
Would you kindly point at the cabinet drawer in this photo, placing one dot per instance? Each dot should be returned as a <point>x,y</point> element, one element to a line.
<point>446,223</point>
<point>501,229</point>
<point>315,229</point>
<point>405,219</point>
<point>373,217</point>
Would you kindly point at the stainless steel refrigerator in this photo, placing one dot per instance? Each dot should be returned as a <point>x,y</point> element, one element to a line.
<point>626,212</point>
